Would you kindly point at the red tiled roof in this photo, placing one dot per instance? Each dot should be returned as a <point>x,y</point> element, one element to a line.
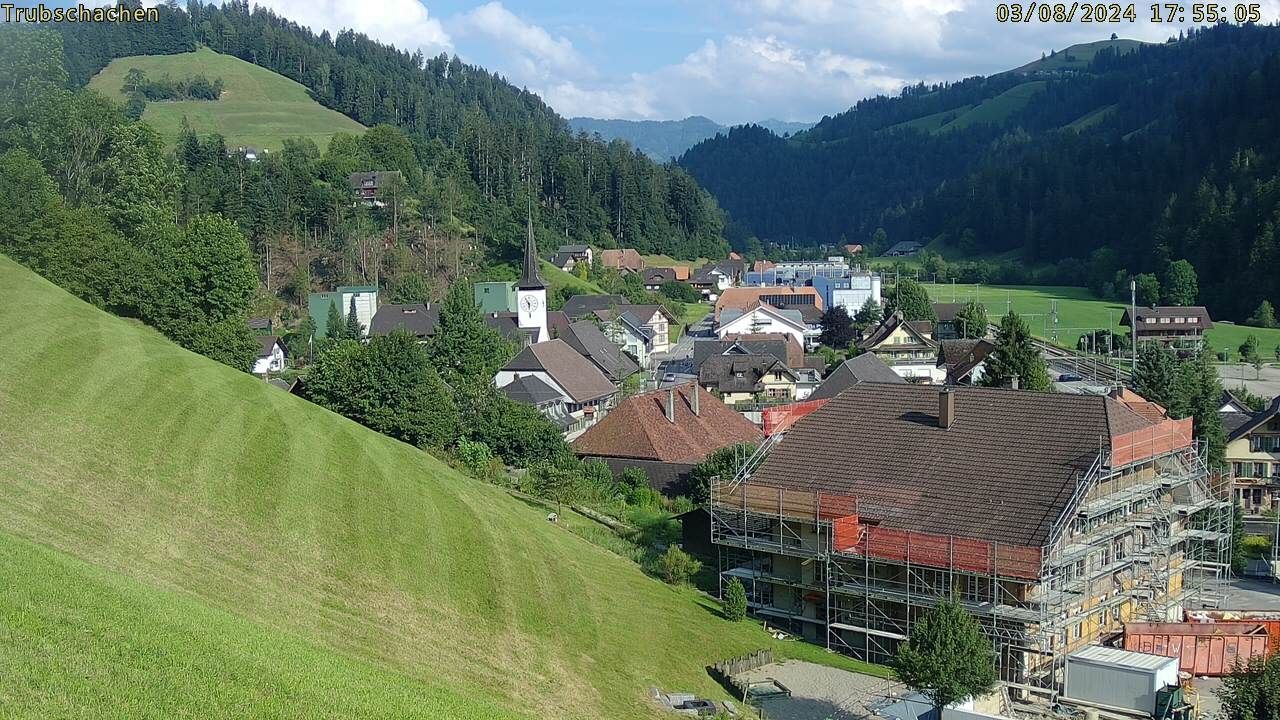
<point>638,428</point>
<point>745,298</point>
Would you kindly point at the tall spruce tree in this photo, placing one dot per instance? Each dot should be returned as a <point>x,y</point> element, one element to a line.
<point>1015,356</point>
<point>1156,378</point>
<point>333,322</point>
<point>465,349</point>
<point>352,330</point>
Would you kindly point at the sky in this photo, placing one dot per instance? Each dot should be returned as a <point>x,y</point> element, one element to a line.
<point>730,60</point>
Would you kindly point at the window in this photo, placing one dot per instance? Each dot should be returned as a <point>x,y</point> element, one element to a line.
<point>1179,320</point>
<point>1164,321</point>
<point>1149,321</point>
<point>1259,470</point>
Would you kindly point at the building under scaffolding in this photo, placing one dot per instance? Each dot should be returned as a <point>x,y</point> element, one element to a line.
<point>1094,511</point>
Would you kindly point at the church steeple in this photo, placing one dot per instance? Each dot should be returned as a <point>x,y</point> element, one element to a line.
<point>529,279</point>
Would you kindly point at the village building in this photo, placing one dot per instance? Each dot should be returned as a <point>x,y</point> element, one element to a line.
<point>497,296</point>
<point>592,343</point>
<point>749,379</point>
<point>370,187</point>
<point>864,368</point>
<point>665,433</point>
<point>743,299</point>
<point>365,298</point>
<point>905,248</point>
<point>1180,327</point>
<point>1253,454</point>
<point>1052,519</point>
<point>765,319</point>
<point>587,394</point>
<point>625,260</point>
<point>907,346</point>
<point>270,358</point>
<point>964,361</point>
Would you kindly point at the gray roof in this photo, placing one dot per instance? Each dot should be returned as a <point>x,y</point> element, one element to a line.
<point>581,379</point>
<point>530,390</point>
<point>580,306</point>
<point>1254,421</point>
<point>267,343</point>
<point>960,357</point>
<point>375,178</point>
<point>417,318</point>
<point>1004,471</point>
<point>705,348</point>
<point>861,369</point>
<point>590,342</point>
<point>1198,312</point>
<point>739,373</point>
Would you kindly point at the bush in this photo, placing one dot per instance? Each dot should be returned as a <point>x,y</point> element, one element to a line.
<point>677,566</point>
<point>735,601</point>
<point>1255,546</point>
<point>477,458</point>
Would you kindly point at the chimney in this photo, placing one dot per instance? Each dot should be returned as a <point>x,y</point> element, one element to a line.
<point>946,408</point>
<point>693,397</point>
<point>1013,382</point>
<point>671,405</point>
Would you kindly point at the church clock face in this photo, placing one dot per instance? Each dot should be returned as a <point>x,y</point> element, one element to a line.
<point>529,303</point>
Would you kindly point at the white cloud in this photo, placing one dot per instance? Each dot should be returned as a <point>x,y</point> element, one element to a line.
<point>404,23</point>
<point>738,79</point>
<point>536,55</point>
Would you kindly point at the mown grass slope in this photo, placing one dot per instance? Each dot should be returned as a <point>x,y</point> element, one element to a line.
<point>211,546</point>
<point>258,108</point>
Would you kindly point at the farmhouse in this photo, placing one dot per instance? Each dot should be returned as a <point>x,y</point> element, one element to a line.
<point>907,346</point>
<point>963,360</point>
<point>626,260</point>
<point>764,319</point>
<point>665,433</point>
<point>1051,518</point>
<point>1183,327</point>
<point>739,379</point>
<point>370,187</point>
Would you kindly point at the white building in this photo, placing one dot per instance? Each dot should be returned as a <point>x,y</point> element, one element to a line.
<point>270,357</point>
<point>763,318</point>
<point>531,294</point>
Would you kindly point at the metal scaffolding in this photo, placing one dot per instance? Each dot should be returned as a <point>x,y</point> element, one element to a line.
<point>1146,531</point>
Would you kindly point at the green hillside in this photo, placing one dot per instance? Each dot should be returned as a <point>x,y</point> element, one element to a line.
<point>258,108</point>
<point>995,110</point>
<point>1077,57</point>
<point>181,539</point>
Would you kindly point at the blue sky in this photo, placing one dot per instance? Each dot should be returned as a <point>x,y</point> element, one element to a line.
<point>731,60</point>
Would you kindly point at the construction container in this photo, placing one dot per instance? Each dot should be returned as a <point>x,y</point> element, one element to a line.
<point>1206,649</point>
<point>1113,678</point>
<point>1268,619</point>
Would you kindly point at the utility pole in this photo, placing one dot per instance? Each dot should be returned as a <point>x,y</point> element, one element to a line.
<point>1133,324</point>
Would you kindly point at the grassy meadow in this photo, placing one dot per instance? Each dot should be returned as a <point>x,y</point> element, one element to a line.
<point>258,108</point>
<point>1080,311</point>
<point>182,539</point>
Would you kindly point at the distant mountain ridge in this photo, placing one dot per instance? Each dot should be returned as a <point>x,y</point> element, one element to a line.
<point>663,140</point>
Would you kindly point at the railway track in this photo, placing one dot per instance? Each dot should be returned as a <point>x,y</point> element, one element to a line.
<point>1089,367</point>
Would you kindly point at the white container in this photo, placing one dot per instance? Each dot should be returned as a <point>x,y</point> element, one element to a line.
<point>1118,678</point>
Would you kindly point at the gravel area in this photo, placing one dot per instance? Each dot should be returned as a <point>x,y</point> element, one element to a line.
<point>1265,383</point>
<point>819,692</point>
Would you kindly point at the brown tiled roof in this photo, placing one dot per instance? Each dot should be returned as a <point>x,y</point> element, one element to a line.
<point>1004,471</point>
<point>946,312</point>
<point>626,258</point>
<point>744,298</point>
<point>1198,312</point>
<point>683,272</point>
<point>794,353</point>
<point>638,428</point>
<point>960,357</point>
<point>577,375</point>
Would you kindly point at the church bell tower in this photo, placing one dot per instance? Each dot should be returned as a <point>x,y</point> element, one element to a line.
<point>531,293</point>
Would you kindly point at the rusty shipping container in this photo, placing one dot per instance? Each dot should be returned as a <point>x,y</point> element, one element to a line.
<point>1211,649</point>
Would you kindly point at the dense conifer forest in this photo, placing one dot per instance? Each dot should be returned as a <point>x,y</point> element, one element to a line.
<point>1129,161</point>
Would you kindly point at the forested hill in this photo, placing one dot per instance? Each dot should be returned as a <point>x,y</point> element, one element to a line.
<point>1156,151</point>
<point>470,127</point>
<point>663,140</point>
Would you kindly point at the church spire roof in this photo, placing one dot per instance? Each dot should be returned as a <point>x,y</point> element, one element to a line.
<point>529,279</point>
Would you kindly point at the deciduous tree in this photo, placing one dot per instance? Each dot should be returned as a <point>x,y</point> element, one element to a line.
<point>837,327</point>
<point>971,320</point>
<point>947,658</point>
<point>912,299</point>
